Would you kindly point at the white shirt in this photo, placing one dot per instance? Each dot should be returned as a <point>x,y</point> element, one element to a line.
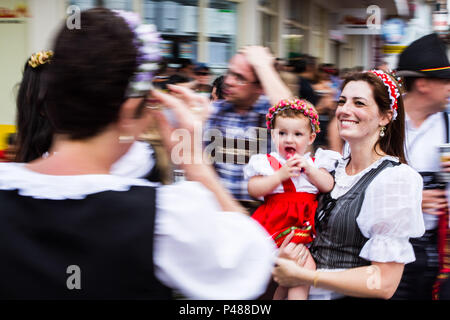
<point>259,165</point>
<point>198,250</point>
<point>422,151</point>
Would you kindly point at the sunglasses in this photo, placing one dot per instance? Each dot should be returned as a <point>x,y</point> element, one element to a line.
<point>202,73</point>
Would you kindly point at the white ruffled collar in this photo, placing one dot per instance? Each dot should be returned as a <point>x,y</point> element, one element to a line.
<point>15,176</point>
<point>343,180</point>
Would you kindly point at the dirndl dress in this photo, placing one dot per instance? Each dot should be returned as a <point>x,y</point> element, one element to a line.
<point>285,212</point>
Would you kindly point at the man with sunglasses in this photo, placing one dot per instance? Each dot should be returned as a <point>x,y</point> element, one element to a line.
<point>236,128</point>
<point>202,80</point>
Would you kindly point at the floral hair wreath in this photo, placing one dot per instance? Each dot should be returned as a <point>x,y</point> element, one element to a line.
<point>146,40</point>
<point>294,104</point>
<point>39,58</point>
<point>393,91</point>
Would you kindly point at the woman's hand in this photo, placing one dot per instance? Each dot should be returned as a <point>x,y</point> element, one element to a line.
<point>197,104</point>
<point>190,111</point>
<point>298,253</point>
<point>189,108</point>
<point>288,274</point>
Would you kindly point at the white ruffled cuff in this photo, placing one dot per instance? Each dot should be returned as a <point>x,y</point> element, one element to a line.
<point>382,248</point>
<point>258,166</point>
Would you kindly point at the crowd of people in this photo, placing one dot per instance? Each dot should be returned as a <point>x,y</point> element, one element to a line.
<point>319,183</point>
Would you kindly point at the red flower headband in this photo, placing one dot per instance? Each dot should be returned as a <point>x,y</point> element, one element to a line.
<point>294,104</point>
<point>392,90</point>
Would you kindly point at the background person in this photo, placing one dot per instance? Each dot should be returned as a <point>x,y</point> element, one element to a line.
<point>251,87</point>
<point>426,70</point>
<point>202,80</point>
<point>217,89</point>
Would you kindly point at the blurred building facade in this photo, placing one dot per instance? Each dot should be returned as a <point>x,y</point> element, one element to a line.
<point>347,33</point>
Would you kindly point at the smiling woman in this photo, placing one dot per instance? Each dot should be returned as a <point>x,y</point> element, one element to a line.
<point>364,224</point>
<point>365,106</point>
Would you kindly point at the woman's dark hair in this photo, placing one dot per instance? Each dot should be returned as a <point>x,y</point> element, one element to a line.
<point>218,84</point>
<point>394,139</point>
<point>90,73</point>
<point>34,132</point>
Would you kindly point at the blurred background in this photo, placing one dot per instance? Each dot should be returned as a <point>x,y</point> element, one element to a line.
<point>200,36</point>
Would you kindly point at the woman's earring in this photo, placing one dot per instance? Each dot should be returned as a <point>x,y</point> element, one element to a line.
<point>126,139</point>
<point>383,129</point>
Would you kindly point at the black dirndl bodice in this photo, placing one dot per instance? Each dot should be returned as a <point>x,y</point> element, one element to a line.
<point>339,240</point>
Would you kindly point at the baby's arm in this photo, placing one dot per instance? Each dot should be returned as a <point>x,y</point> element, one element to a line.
<point>260,186</point>
<point>321,178</point>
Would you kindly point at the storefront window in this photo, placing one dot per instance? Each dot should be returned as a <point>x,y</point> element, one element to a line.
<point>269,23</point>
<point>208,37</point>
<point>293,41</point>
<point>110,4</point>
<point>177,21</point>
<point>296,11</point>
<point>221,28</point>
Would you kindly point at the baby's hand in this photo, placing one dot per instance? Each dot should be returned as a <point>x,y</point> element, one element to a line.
<point>304,165</point>
<point>290,168</point>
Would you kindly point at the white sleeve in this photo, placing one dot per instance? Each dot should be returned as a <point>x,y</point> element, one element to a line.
<point>391,214</point>
<point>205,253</point>
<point>136,163</point>
<point>326,159</point>
<point>258,165</point>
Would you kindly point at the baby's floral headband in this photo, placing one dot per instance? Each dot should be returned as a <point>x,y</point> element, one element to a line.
<point>294,104</point>
<point>146,40</point>
<point>39,58</point>
<point>392,88</point>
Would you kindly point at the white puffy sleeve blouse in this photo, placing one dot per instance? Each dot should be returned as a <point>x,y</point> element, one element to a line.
<point>391,212</point>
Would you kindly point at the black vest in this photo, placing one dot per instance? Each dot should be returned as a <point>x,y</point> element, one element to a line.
<point>431,179</point>
<point>103,243</point>
<point>339,240</point>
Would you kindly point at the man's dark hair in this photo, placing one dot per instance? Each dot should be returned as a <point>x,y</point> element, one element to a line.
<point>408,83</point>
